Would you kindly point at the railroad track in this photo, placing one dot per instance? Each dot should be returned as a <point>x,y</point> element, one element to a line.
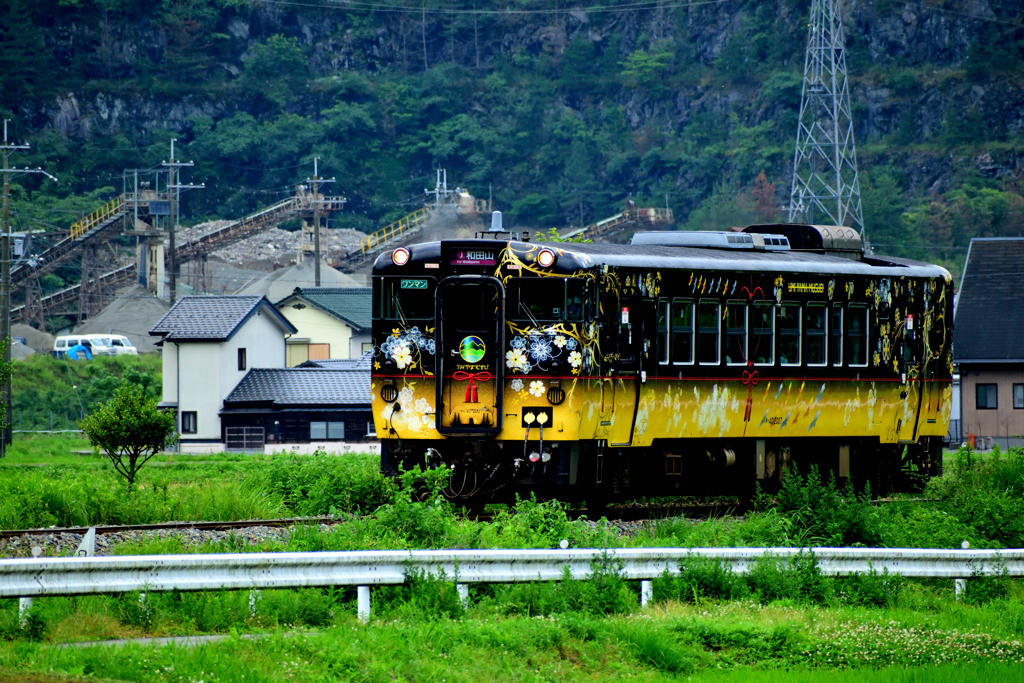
<point>625,513</point>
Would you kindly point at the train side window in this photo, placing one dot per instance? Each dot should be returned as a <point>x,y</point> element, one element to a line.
<point>662,337</point>
<point>682,332</point>
<point>837,335</point>
<point>736,333</point>
<point>817,339</point>
<point>536,299</point>
<point>789,334</point>
<point>763,342</point>
<point>709,325</point>
<point>857,335</point>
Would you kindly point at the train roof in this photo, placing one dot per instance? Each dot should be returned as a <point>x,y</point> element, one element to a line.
<point>790,261</point>
<point>575,256</point>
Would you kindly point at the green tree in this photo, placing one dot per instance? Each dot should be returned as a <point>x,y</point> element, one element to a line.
<point>130,430</point>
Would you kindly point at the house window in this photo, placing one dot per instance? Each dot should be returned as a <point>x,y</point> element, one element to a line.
<point>709,322</point>
<point>789,334</point>
<point>323,431</point>
<point>189,422</point>
<point>241,359</point>
<point>319,351</point>
<point>986,396</point>
<point>1018,395</point>
<point>371,429</point>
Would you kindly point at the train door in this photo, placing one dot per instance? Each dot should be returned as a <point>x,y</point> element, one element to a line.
<point>470,319</point>
<point>625,380</point>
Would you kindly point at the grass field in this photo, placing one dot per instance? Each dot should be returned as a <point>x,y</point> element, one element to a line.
<point>780,622</point>
<point>727,642</point>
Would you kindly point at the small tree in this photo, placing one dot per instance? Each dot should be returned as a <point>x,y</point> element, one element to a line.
<point>130,430</point>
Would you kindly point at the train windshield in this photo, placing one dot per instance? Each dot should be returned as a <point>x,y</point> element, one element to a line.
<point>546,299</point>
<point>471,306</point>
<point>404,298</point>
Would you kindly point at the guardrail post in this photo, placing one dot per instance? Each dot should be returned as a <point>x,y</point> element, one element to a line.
<point>463,591</point>
<point>24,607</point>
<point>254,596</point>
<point>646,592</point>
<point>363,603</point>
<point>959,586</point>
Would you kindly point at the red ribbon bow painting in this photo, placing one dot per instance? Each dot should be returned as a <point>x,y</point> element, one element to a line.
<point>462,376</point>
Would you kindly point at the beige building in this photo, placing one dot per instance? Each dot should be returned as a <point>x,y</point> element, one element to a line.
<point>332,323</point>
<point>988,342</point>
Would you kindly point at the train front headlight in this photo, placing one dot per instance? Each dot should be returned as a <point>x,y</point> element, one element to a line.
<point>546,258</point>
<point>400,256</point>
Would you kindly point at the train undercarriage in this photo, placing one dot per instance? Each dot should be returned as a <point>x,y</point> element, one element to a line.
<point>492,471</point>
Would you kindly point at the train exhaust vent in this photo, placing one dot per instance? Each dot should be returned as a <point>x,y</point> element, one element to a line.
<point>834,240</point>
<point>711,240</point>
<point>700,239</point>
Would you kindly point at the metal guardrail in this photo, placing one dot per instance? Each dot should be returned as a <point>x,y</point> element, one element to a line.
<point>396,229</point>
<point>27,578</point>
<point>87,223</point>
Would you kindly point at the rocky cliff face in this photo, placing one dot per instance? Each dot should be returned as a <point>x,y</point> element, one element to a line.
<point>926,76</point>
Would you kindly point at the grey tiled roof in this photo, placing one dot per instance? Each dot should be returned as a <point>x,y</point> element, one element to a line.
<point>361,363</point>
<point>350,304</point>
<point>211,318</point>
<point>302,386</point>
<point>989,322</point>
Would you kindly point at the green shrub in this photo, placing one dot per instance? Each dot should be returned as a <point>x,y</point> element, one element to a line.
<point>986,493</point>
<point>423,596</point>
<point>826,514</point>
<point>324,485</point>
<point>797,579</point>
<point>700,578</point>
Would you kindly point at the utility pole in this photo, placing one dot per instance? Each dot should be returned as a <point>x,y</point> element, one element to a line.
<point>825,187</point>
<point>5,278</point>
<point>173,189</point>
<point>316,180</point>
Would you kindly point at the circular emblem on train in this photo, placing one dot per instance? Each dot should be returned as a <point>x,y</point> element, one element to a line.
<point>472,349</point>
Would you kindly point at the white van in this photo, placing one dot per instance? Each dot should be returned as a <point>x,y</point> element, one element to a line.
<point>98,344</point>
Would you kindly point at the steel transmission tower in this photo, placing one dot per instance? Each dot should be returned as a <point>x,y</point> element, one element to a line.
<point>825,188</point>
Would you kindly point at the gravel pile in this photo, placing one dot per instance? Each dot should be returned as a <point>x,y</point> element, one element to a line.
<point>274,245</point>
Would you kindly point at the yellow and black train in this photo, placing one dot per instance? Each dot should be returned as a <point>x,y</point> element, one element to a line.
<point>683,363</point>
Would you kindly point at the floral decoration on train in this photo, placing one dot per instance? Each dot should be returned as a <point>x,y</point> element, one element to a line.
<point>539,348</point>
<point>407,349</point>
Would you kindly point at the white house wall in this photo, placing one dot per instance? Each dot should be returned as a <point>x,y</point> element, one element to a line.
<point>170,372</point>
<point>263,341</point>
<point>199,387</point>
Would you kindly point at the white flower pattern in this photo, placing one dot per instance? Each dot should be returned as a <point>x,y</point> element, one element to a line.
<point>537,388</point>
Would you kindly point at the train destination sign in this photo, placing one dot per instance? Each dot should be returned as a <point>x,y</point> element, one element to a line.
<point>472,257</point>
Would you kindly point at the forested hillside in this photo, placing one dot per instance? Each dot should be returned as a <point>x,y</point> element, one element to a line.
<point>561,111</point>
